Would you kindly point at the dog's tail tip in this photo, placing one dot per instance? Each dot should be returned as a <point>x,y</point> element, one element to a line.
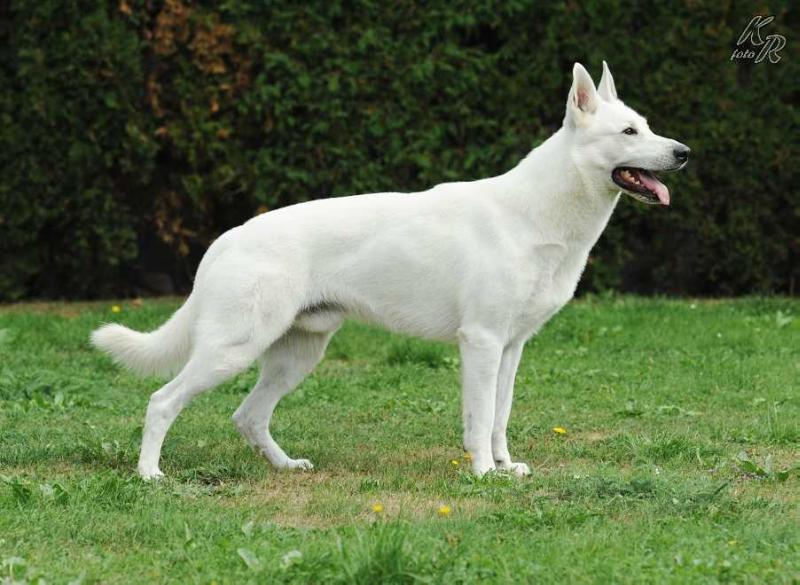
<point>125,346</point>
<point>110,337</point>
<point>162,352</point>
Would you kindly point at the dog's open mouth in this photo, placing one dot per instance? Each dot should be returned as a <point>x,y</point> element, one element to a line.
<point>641,184</point>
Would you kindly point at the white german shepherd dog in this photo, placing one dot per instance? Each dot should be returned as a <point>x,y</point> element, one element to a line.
<point>483,264</point>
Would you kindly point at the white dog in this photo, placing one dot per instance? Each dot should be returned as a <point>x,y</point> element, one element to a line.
<point>484,264</point>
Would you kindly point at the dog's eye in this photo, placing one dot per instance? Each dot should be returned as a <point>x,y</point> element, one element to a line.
<point>630,131</point>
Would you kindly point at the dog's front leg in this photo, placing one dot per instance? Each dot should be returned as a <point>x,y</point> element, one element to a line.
<point>481,353</point>
<point>505,394</point>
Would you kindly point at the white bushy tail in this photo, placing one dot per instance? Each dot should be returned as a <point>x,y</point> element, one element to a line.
<point>162,352</point>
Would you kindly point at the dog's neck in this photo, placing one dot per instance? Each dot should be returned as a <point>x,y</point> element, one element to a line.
<point>562,203</point>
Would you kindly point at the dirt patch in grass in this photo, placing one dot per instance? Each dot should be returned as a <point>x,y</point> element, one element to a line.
<point>55,308</point>
<point>411,506</point>
<point>324,500</point>
<point>73,309</point>
<point>784,492</point>
<point>594,436</point>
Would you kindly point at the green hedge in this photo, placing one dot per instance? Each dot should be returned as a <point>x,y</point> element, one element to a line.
<point>135,132</point>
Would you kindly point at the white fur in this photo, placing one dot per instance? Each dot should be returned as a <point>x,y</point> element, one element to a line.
<point>162,352</point>
<point>483,264</point>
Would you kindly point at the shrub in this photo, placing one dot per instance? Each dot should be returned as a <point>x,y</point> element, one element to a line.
<point>134,133</point>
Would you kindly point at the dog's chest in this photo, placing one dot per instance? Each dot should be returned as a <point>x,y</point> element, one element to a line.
<point>548,285</point>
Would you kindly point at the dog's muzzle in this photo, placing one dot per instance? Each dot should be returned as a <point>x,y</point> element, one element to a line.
<point>681,153</point>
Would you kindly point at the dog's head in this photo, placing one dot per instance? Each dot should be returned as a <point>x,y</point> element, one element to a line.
<point>613,145</point>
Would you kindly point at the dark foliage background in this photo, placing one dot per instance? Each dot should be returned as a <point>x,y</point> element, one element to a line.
<point>132,133</point>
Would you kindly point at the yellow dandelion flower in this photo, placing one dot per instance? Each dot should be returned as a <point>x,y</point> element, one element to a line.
<point>116,308</point>
<point>467,456</point>
<point>455,463</point>
<point>377,507</point>
<point>560,430</point>
<point>444,511</point>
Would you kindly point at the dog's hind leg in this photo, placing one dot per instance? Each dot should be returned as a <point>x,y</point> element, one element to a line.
<point>224,347</point>
<point>205,370</point>
<point>284,365</point>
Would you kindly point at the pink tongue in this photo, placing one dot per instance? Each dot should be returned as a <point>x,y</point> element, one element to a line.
<point>656,186</point>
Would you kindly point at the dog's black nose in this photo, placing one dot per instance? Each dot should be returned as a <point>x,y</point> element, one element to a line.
<point>681,153</point>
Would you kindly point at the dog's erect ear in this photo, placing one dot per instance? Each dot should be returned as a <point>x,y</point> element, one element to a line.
<point>583,98</point>
<point>606,87</point>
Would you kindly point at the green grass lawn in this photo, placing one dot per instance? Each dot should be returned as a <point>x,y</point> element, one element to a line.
<point>682,420</point>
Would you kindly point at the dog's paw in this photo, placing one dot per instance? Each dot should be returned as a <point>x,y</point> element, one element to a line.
<point>518,469</point>
<point>482,469</point>
<point>303,464</point>
<point>150,474</point>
